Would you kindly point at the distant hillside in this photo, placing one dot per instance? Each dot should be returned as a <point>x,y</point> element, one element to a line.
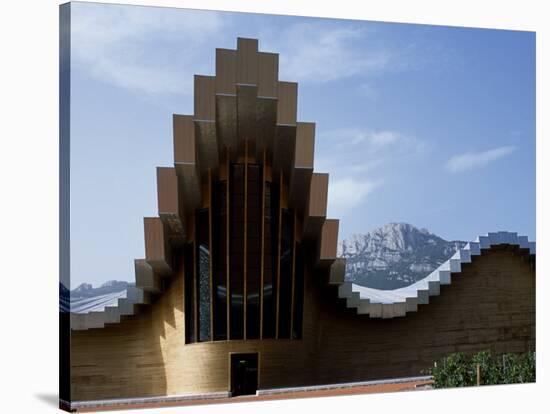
<point>86,298</point>
<point>395,255</point>
<point>86,290</point>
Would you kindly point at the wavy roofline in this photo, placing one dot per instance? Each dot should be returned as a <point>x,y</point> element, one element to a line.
<point>386,304</point>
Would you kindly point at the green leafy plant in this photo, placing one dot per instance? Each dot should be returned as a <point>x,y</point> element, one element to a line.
<point>459,370</point>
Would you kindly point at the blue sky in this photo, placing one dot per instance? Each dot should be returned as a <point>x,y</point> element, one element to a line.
<point>430,125</point>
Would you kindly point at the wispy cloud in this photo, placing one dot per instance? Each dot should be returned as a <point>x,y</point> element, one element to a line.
<point>472,160</point>
<point>366,158</point>
<point>368,143</point>
<point>347,193</point>
<point>322,52</point>
<point>143,49</point>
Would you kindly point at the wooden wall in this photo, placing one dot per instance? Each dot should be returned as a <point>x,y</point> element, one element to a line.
<point>490,305</point>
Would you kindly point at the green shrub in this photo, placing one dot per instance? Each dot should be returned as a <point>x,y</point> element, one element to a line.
<point>458,370</point>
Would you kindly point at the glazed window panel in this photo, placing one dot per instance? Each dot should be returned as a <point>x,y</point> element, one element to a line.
<point>253,250</point>
<point>236,220</point>
<point>203,272</point>
<point>285,277</point>
<point>219,257</point>
<point>236,278</point>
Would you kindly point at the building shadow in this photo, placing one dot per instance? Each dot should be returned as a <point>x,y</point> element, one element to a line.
<point>48,398</point>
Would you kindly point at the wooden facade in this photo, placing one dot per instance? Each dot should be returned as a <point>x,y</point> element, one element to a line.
<point>242,258</point>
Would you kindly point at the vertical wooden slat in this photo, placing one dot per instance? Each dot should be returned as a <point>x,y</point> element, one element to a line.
<point>227,222</point>
<point>210,248</point>
<point>280,210</point>
<point>293,275</point>
<point>262,251</point>
<point>245,232</point>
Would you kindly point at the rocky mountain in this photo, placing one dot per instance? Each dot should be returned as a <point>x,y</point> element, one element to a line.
<point>394,256</point>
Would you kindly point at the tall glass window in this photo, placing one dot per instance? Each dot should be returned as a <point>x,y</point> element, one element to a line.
<point>285,277</point>
<point>225,295</point>
<point>219,257</point>
<point>203,272</point>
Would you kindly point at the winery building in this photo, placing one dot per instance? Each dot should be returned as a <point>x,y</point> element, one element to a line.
<point>241,289</point>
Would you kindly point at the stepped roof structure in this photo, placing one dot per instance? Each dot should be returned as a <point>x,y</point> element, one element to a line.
<point>243,115</point>
<point>240,289</point>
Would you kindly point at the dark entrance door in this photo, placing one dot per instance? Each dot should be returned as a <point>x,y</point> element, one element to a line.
<point>244,374</point>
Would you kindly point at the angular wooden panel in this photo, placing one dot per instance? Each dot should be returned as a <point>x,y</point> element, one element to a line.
<point>205,103</point>
<point>288,103</point>
<point>328,243</point>
<point>157,251</point>
<point>318,195</point>
<point>226,71</point>
<point>170,204</point>
<point>305,145</point>
<point>185,161</point>
<point>184,139</point>
<point>205,123</point>
<point>247,61</point>
<point>283,149</point>
<point>302,170</point>
<point>268,74</point>
<point>167,191</point>
<point>316,209</point>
